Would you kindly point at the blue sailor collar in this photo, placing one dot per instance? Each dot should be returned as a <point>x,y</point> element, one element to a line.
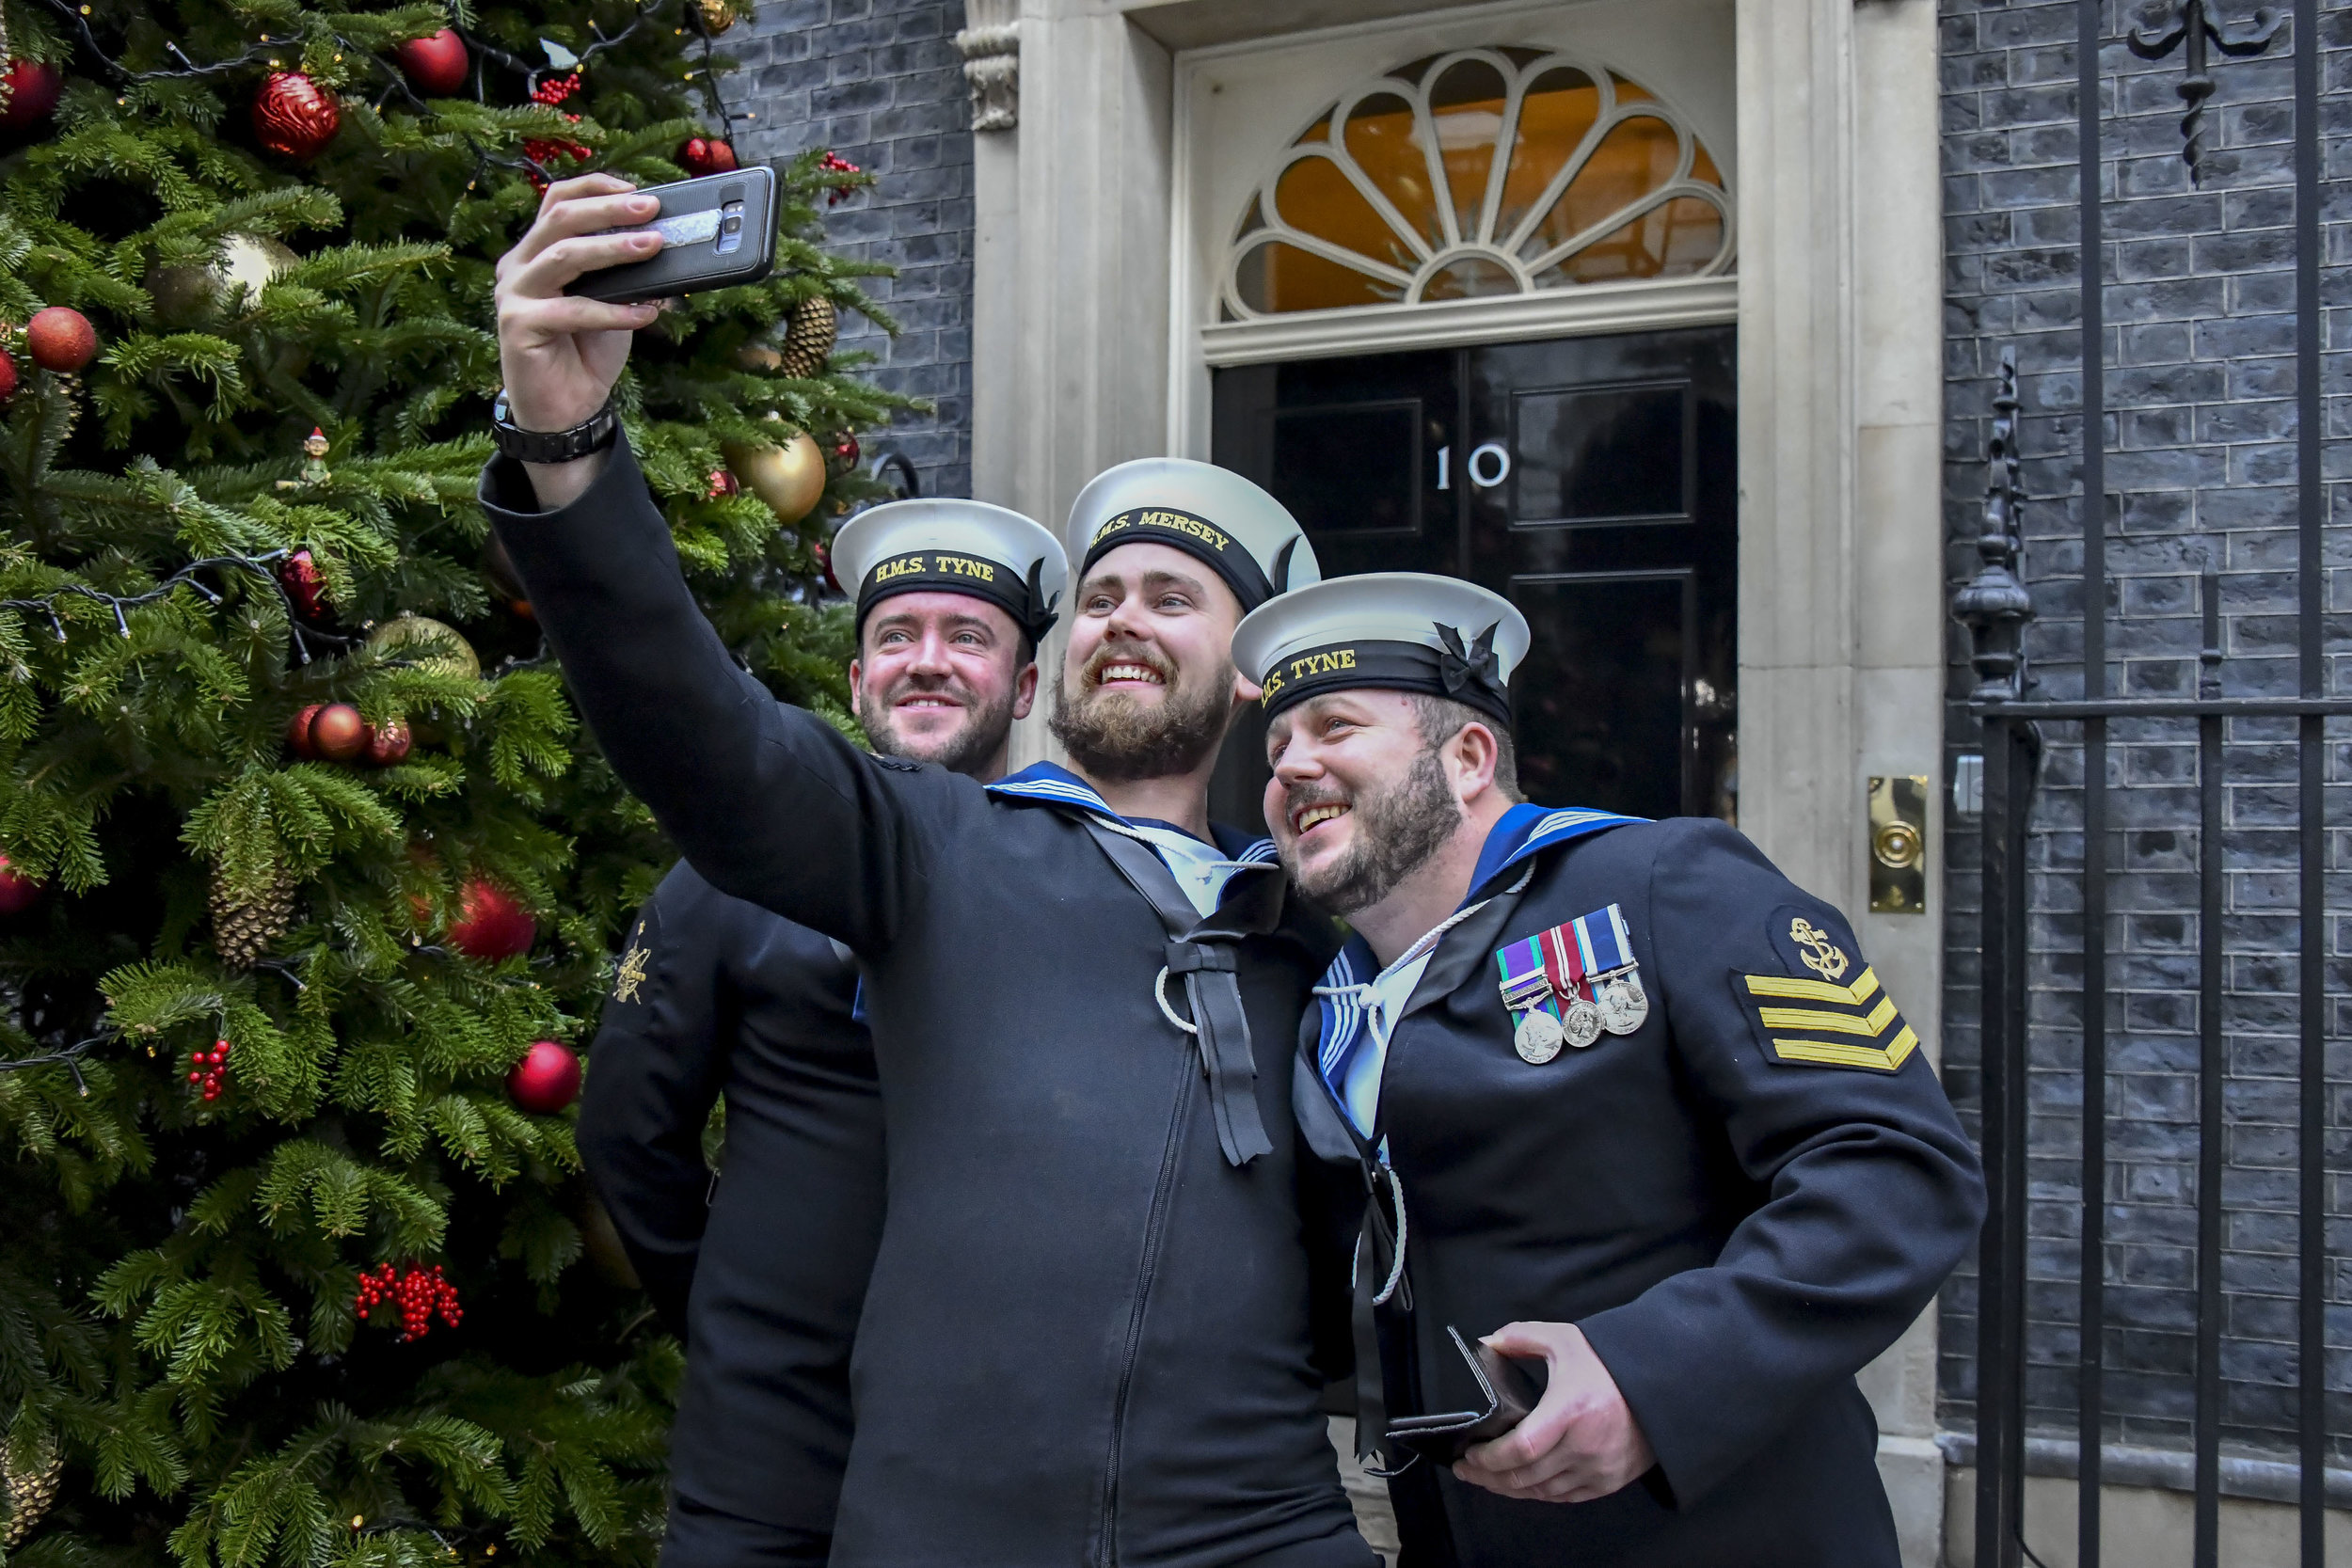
<point>1059,787</point>
<point>1526,830</point>
<point>1519,835</point>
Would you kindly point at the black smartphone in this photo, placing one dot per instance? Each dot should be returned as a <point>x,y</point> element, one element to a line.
<point>717,231</point>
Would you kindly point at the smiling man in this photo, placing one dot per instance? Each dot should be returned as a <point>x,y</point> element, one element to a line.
<point>1630,1104</point>
<point>762,1269</point>
<point>1087,1335</point>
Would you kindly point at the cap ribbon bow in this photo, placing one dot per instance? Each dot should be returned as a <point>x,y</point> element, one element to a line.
<point>1459,667</point>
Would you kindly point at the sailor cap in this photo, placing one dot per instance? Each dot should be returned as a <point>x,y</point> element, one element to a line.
<point>941,545</point>
<point>1397,631</point>
<point>1247,537</point>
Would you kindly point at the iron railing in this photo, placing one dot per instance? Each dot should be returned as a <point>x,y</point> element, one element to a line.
<point>1997,606</point>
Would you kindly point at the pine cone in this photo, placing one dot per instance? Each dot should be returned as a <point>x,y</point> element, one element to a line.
<point>29,1482</point>
<point>809,343</point>
<point>242,932</point>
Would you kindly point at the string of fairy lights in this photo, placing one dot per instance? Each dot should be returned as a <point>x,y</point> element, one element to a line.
<point>266,51</point>
<point>261,567</point>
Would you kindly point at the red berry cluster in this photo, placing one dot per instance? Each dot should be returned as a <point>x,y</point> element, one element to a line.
<point>209,1069</point>
<point>834,164</point>
<point>419,1294</point>
<point>552,92</point>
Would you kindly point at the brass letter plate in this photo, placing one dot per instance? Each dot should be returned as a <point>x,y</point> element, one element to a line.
<point>1899,844</point>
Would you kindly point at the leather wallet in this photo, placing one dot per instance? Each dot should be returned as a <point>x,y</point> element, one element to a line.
<point>1509,1395</point>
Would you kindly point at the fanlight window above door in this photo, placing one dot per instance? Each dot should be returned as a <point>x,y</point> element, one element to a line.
<point>1484,172</point>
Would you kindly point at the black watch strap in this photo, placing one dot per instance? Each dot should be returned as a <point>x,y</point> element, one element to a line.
<point>594,433</point>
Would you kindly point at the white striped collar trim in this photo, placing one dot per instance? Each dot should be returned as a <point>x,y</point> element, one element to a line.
<point>1043,781</point>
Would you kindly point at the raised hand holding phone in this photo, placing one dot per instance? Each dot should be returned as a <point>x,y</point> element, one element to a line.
<point>561,353</point>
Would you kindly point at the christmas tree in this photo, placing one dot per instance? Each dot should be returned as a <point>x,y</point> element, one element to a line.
<point>312,880</point>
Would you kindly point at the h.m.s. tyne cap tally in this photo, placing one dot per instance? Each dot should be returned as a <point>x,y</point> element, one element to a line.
<point>942,545</point>
<point>1246,536</point>
<point>1394,631</point>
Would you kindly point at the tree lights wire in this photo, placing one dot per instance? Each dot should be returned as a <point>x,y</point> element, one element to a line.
<point>259,565</point>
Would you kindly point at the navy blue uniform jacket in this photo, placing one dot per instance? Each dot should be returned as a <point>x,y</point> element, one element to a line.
<point>764,1273</point>
<point>1086,1338</point>
<point>1741,1204</point>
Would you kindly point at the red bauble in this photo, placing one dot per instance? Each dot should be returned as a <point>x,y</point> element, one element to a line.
<point>546,1080</point>
<point>847,450</point>
<point>61,339</point>
<point>700,155</point>
<point>492,924</point>
<point>7,374</point>
<point>293,116</point>
<point>33,89</point>
<point>387,744</point>
<point>824,553</point>
<point>300,574</point>
<point>338,733</point>
<point>725,483</point>
<point>435,66</point>
<point>298,733</point>
<point>17,893</point>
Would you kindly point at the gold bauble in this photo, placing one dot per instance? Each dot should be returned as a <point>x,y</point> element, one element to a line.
<point>759,357</point>
<point>717,15</point>
<point>247,261</point>
<point>790,478</point>
<point>441,650</point>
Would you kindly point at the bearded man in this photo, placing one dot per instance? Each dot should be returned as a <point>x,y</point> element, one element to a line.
<point>761,1266</point>
<point>1630,1104</point>
<point>1087,1334</point>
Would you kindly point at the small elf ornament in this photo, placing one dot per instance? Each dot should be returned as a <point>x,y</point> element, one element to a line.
<point>315,446</point>
<point>208,1070</point>
<point>293,116</point>
<point>418,1293</point>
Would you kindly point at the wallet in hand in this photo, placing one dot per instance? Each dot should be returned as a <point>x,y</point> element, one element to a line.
<point>1509,1395</point>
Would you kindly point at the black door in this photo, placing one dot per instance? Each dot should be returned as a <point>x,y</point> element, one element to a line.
<point>1591,480</point>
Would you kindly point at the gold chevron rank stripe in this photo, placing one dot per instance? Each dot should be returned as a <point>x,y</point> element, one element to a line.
<point>1836,1010</point>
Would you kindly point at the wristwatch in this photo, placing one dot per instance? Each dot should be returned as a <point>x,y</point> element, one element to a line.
<point>594,433</point>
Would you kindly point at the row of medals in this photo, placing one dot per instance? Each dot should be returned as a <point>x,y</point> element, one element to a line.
<point>1618,1007</point>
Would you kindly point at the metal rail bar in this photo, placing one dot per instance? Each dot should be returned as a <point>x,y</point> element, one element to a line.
<point>2001,1255</point>
<point>2170,707</point>
<point>2205,1551</point>
<point>2091,1377</point>
<point>2310,1146</point>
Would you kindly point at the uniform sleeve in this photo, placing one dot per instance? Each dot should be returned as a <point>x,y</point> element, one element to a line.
<point>657,1066</point>
<point>1868,1192</point>
<point>768,802</point>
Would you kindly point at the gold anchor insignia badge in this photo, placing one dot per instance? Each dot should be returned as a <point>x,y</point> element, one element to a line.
<point>1819,957</point>
<point>632,975</point>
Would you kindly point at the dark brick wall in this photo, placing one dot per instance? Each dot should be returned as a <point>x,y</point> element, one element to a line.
<point>2199,437</point>
<point>879,83</point>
